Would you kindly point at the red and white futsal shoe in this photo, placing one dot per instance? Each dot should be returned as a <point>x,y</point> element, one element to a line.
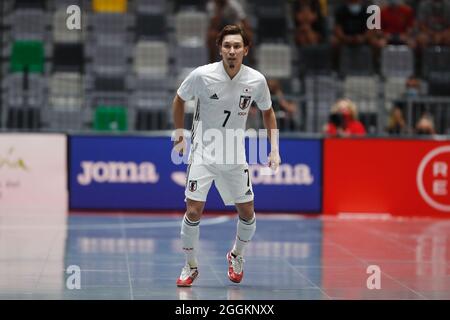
<point>187,276</point>
<point>235,267</point>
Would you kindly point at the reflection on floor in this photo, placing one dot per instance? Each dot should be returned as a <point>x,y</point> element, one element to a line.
<point>292,257</point>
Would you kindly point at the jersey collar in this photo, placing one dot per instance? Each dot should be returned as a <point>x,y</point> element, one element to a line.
<point>222,68</point>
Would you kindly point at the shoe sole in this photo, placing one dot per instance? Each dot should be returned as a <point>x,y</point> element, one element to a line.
<point>184,285</point>
<point>235,281</point>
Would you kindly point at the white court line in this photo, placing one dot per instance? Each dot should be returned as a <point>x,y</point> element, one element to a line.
<point>136,225</point>
<point>146,225</point>
<point>124,237</point>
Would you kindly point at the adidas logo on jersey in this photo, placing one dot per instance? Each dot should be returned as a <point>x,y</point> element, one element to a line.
<point>249,192</point>
<point>214,96</point>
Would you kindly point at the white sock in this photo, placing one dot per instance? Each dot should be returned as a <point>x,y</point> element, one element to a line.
<point>245,232</point>
<point>190,232</point>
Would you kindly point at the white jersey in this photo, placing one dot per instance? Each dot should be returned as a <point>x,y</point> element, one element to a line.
<point>222,104</point>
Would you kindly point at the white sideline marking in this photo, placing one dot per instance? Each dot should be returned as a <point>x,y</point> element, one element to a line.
<point>364,215</point>
<point>135,225</point>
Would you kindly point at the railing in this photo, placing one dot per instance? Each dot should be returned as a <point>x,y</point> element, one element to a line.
<point>438,107</point>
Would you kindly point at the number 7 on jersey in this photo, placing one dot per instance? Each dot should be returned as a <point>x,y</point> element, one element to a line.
<point>228,116</point>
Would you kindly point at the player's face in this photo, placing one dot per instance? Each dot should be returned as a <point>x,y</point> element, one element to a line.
<point>233,50</point>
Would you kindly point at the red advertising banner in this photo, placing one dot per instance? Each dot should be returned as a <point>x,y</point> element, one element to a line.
<point>397,177</point>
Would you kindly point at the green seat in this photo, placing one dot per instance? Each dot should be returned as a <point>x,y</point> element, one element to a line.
<point>27,55</point>
<point>111,118</point>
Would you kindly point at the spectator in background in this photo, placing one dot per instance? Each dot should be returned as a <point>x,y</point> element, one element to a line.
<point>407,102</point>
<point>343,121</point>
<point>351,24</point>
<point>278,95</point>
<point>350,29</point>
<point>433,23</point>
<point>286,111</point>
<point>397,22</point>
<point>396,123</point>
<point>425,125</point>
<point>413,87</point>
<point>309,22</point>
<point>222,13</point>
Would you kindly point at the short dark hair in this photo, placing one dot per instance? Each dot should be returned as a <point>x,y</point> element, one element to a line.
<point>232,29</point>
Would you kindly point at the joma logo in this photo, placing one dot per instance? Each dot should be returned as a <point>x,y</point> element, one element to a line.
<point>117,172</point>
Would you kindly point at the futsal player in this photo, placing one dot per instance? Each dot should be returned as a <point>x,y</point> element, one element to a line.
<point>223,91</point>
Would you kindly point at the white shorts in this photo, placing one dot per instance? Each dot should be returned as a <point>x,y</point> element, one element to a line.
<point>232,181</point>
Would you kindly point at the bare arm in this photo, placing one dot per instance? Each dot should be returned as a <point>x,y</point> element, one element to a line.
<point>178,112</point>
<point>178,122</point>
<point>270,123</point>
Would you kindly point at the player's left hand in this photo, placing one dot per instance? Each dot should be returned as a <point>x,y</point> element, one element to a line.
<point>274,160</point>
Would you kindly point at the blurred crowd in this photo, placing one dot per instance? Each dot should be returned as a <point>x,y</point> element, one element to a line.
<point>416,24</point>
<point>344,122</point>
<point>326,70</point>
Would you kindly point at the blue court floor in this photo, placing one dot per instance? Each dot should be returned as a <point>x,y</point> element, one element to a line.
<point>291,257</point>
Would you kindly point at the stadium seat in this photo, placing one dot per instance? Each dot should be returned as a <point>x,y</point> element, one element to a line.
<point>27,56</point>
<point>190,57</point>
<point>274,60</point>
<point>107,89</point>
<point>151,58</point>
<point>363,90</point>
<point>151,100</point>
<point>24,118</point>
<point>119,6</point>
<point>68,57</point>
<point>198,5</point>
<point>356,61</point>
<point>24,90</point>
<point>435,59</point>
<point>268,8</point>
<point>61,34</point>
<point>151,119</point>
<point>94,97</point>
<point>66,90</point>
<point>65,119</point>
<point>266,3</point>
<point>272,10</point>
<point>110,59</point>
<point>110,28</point>
<point>151,26</point>
<point>29,4</point>
<point>63,4</point>
<point>320,92</point>
<point>110,118</point>
<point>394,88</point>
<point>152,84</point>
<point>191,28</point>
<point>397,61</point>
<point>28,24</point>
<point>151,93</point>
<point>105,83</point>
<point>100,91</point>
<point>321,87</point>
<point>151,7</point>
<point>272,29</point>
<point>315,60</point>
<point>439,83</point>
